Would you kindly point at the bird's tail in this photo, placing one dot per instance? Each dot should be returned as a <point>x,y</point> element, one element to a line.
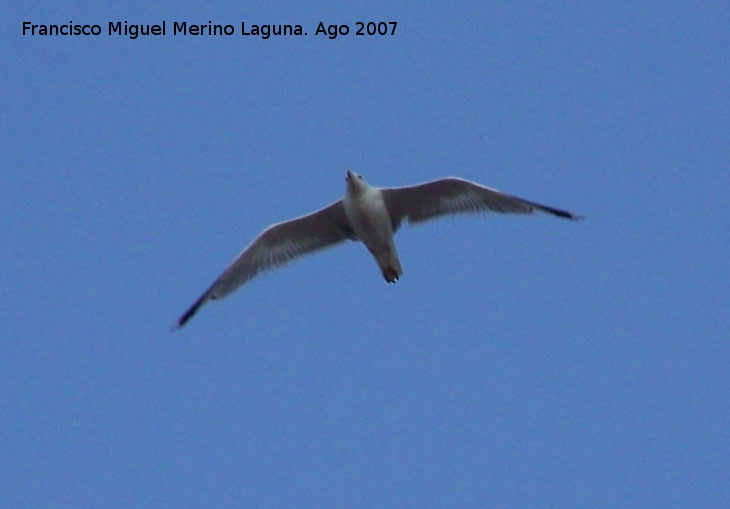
<point>390,265</point>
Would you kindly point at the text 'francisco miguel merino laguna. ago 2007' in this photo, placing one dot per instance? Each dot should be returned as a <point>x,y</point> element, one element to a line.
<point>133,31</point>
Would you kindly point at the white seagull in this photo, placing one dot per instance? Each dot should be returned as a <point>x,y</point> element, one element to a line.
<point>368,214</point>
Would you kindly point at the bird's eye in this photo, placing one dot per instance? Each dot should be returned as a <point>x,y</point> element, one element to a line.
<point>360,177</point>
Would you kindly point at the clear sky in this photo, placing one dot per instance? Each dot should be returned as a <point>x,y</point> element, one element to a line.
<point>519,361</point>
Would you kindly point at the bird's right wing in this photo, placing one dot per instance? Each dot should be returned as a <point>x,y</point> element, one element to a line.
<point>455,196</point>
<point>276,246</point>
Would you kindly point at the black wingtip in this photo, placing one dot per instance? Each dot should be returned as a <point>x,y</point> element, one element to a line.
<point>187,315</point>
<point>568,215</point>
<point>559,213</point>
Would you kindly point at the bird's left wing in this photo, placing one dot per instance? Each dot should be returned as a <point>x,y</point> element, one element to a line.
<point>455,196</point>
<point>276,246</point>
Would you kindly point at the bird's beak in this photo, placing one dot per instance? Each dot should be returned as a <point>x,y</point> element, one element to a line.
<point>349,175</point>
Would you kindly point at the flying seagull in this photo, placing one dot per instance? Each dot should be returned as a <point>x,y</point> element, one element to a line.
<point>368,214</point>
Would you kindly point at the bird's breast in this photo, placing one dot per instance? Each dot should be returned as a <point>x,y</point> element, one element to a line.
<point>369,218</point>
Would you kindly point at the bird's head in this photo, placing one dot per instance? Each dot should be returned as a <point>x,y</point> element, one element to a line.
<point>355,184</point>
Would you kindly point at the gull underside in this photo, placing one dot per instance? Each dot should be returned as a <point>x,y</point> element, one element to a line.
<point>369,214</point>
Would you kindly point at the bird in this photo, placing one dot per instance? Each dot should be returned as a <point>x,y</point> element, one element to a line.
<point>367,214</point>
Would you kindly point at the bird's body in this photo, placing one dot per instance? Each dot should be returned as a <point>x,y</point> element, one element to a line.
<point>368,214</point>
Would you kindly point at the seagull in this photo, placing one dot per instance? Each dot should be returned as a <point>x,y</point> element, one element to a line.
<point>368,214</point>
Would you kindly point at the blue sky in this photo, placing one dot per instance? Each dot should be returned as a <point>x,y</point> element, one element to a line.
<point>519,361</point>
